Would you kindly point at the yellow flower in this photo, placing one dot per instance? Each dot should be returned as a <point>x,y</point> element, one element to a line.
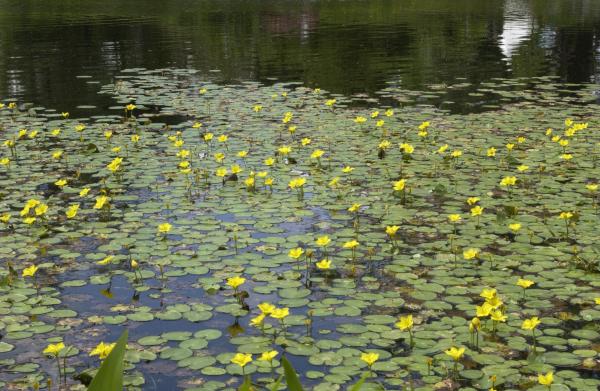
<point>565,215</point>
<point>488,294</point>
<point>242,359</point>
<point>219,156</point>
<point>5,161</point>
<point>522,168</point>
<point>197,125</point>
<point>521,139</point>
<point>80,128</point>
<point>330,102</point>
<point>359,119</point>
<point>351,244</point>
<point>348,169</point>
<point>72,211</point>
<point>222,138</point>
<point>55,132</point>
<point>287,117</point>
<point>369,358</point>
<point>249,182</point>
<point>323,264</point>
<point>134,264</point>
<point>592,187</point>
<point>494,302</point>
<point>305,141</point>
<point>29,271</point>
<point>405,323</point>
<point>115,165</point>
<point>57,155</point>
<point>41,209</point>
<point>242,154</point>
<point>566,156</point>
<point>29,220</point>
<point>407,148</point>
<point>5,218</point>
<point>84,192</point>
<point>385,144</point>
<point>454,218</point>
<point>491,152</point>
<point>456,154</point>
<point>597,300</point>
<point>280,313</point>
<point>568,122</point>
<point>483,310</point>
<point>130,107</point>
<point>524,283</point>
<point>399,185</point>
<point>498,316</point>
<point>375,114</point>
<point>164,228</point>
<point>334,181</point>
<point>508,181</point>
<point>476,211</point>
<point>317,154</point>
<point>235,282</point>
<point>323,241</point>
<point>257,108</point>
<point>510,146</point>
<point>424,125</point>
<point>266,308</point>
<point>269,181</point>
<point>236,169</point>
<point>563,142</point>
<point>473,200</point>
<point>547,379</point>
<point>474,324</point>
<point>269,161</point>
<point>515,227</point>
<point>116,149</point>
<point>61,182</point>
<point>101,201</point>
<point>455,353</point>
<point>54,349</point>
<point>284,150</point>
<point>391,230</point>
<point>380,123</point>
<point>442,149</point>
<point>108,134</point>
<point>184,164</point>
<point>296,253</point>
<point>102,350</point>
<point>208,136</point>
<point>257,320</point>
<point>202,91</point>
<point>354,208</point>
<point>470,253</point>
<point>297,183</point>
<point>106,260</point>
<point>555,138</point>
<point>221,172</point>
<point>268,356</point>
<point>530,324</point>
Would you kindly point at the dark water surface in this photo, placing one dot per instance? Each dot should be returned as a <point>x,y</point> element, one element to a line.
<point>341,46</point>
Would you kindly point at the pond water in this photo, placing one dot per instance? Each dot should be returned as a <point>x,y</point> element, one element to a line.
<point>344,47</point>
<point>447,149</point>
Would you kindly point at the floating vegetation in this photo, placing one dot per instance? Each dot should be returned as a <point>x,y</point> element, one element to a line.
<point>231,228</point>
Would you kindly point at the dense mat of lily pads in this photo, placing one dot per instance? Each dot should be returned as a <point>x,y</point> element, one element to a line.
<point>226,226</point>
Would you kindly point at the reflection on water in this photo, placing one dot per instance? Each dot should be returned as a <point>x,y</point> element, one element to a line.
<point>342,46</point>
<point>517,28</point>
